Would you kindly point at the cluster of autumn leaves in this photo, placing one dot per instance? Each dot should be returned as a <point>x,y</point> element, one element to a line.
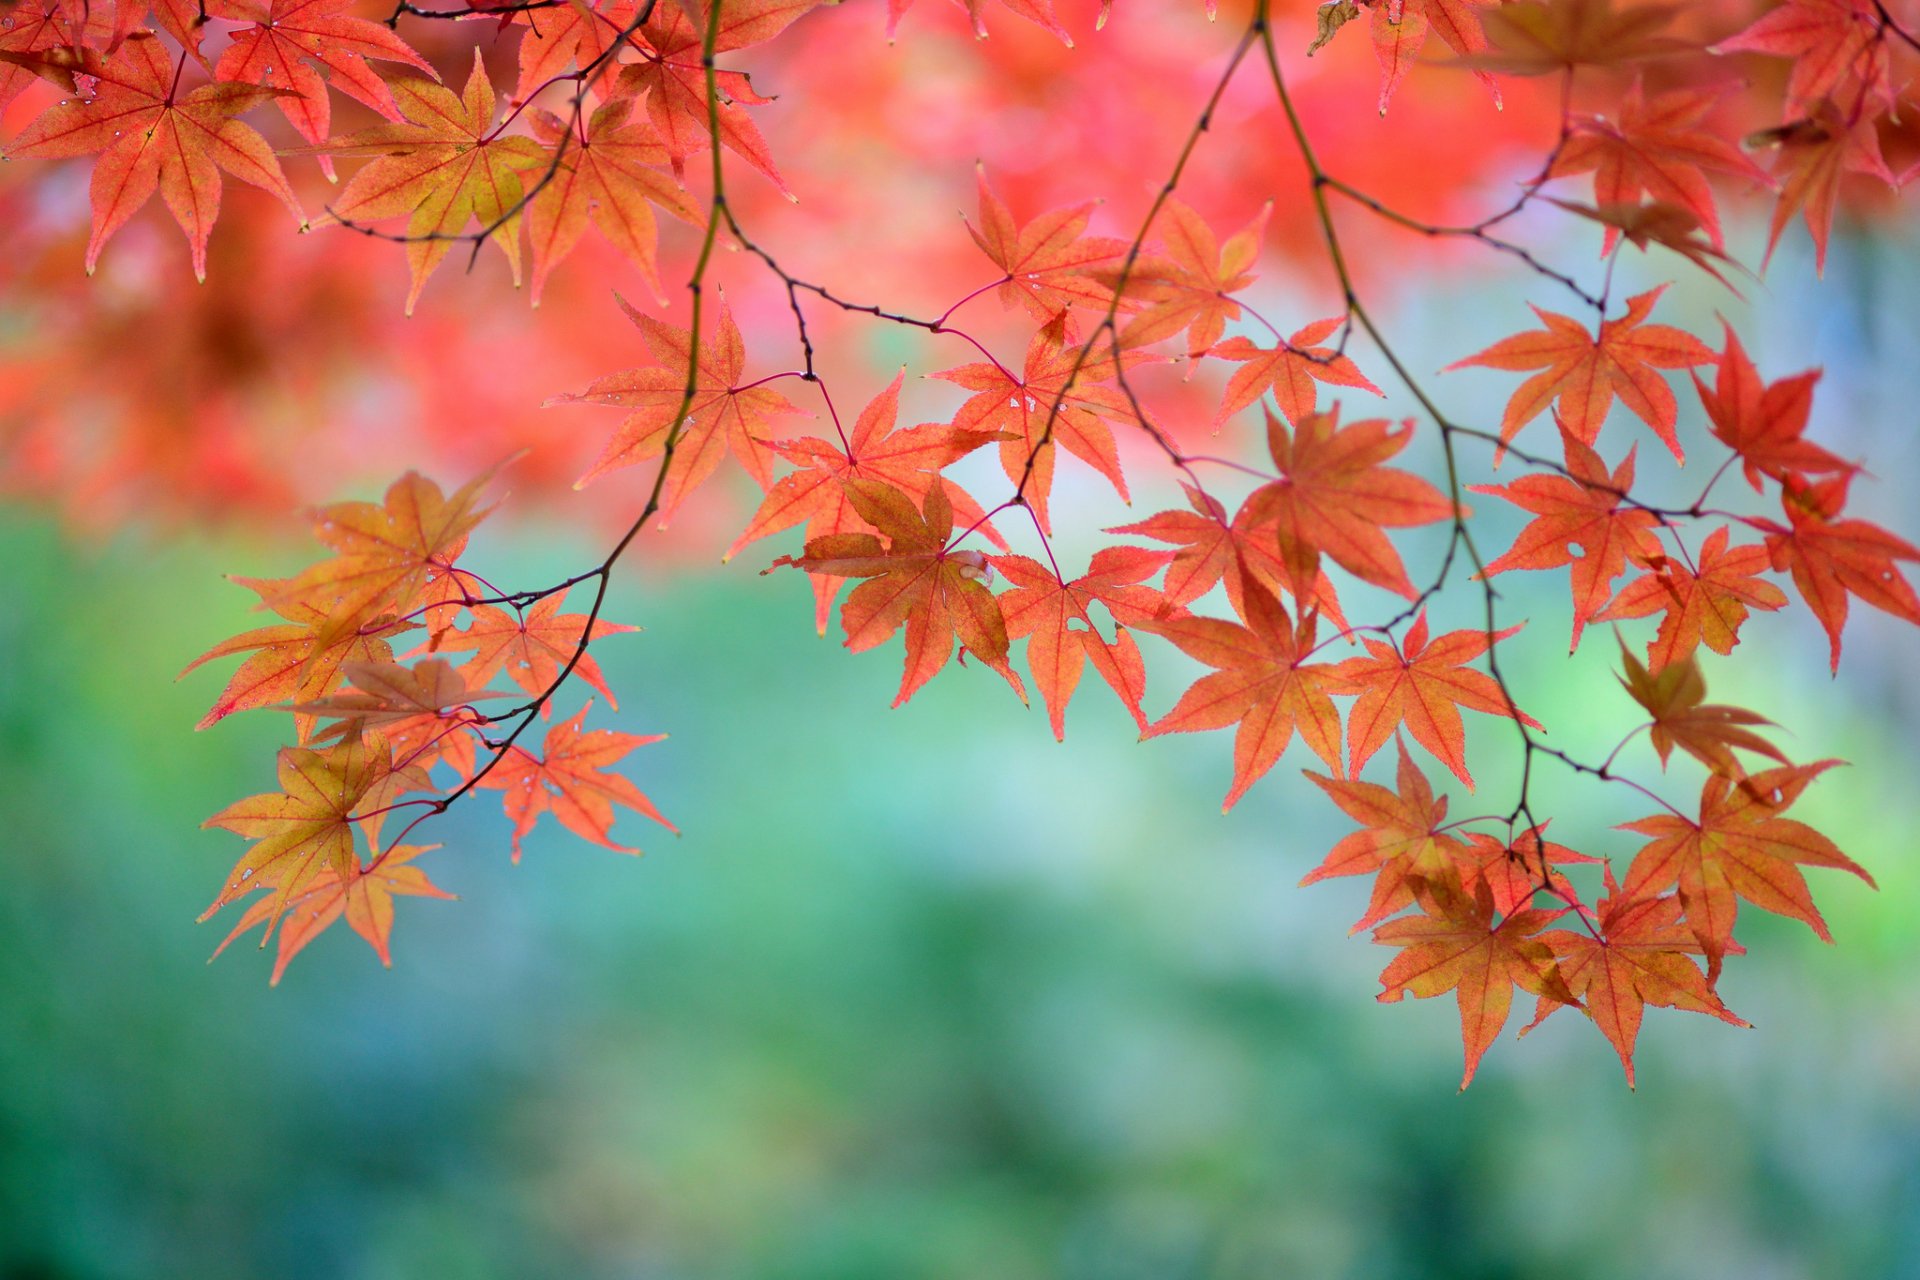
<point>386,738</point>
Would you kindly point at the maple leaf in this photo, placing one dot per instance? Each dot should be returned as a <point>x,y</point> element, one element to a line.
<point>1421,684</point>
<point>1455,945</point>
<point>1584,372</point>
<point>1262,682</point>
<point>1815,153</point>
<point>609,175</point>
<point>394,556</point>
<point>1676,699</point>
<point>1051,403</point>
<point>575,34</point>
<point>1829,43</point>
<point>1541,37</point>
<point>1334,495</point>
<point>1519,867</point>
<point>910,460</point>
<point>443,166</point>
<point>531,647</point>
<point>1830,558</point>
<point>305,828</point>
<point>1658,147</point>
<point>1042,606</point>
<point>1188,287</point>
<point>671,74</point>
<point>1660,223</point>
<point>1403,837</point>
<point>1640,958</point>
<point>364,897</point>
<point>1698,604</point>
<point>152,137</point>
<point>1740,847</point>
<point>721,414</point>
<point>1763,421</point>
<point>1581,509</point>
<point>1050,262</point>
<point>1289,371</point>
<point>1400,29</point>
<point>1211,547</point>
<point>285,40</point>
<point>916,579</point>
<point>300,660</point>
<point>423,712</point>
<point>569,780</point>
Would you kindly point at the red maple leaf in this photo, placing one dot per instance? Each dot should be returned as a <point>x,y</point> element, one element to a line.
<point>1829,42</point>
<point>1289,370</point>
<point>1763,422</point>
<point>1831,558</point>
<point>1583,373</point>
<point>1682,717</point>
<point>1402,837</point>
<point>1059,398</point>
<point>531,646</point>
<point>1050,262</point>
<point>1815,153</point>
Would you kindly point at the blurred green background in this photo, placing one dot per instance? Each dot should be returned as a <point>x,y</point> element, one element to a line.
<point>920,993</point>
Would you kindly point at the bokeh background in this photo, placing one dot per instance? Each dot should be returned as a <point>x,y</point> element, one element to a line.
<point>923,993</point>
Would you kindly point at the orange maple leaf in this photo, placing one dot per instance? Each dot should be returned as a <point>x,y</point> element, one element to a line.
<point>1582,509</point>
<point>287,39</point>
<point>1289,370</point>
<point>1816,151</point>
<point>610,173</point>
<point>1740,847</point>
<point>531,647</point>
<point>1403,836</point>
<point>1422,685</point>
<point>910,460</point>
<point>569,780</point>
<point>152,137</point>
<point>914,578</point>
<point>1829,42</point>
<point>1335,495</point>
<point>671,72</point>
<point>1262,683</point>
<point>1584,372</point>
<point>1050,262</point>
<point>1640,958</point>
<point>722,414</point>
<point>364,897</point>
<point>1456,945</point>
<point>1702,603</point>
<point>1058,399</point>
<point>443,166</point>
<point>1042,606</point>
<point>1189,285</point>
<point>306,828</point>
<point>1682,717</point>
<point>1658,147</point>
<point>1211,547</point>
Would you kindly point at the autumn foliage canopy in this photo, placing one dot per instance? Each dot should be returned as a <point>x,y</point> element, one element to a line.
<point>1095,320</point>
